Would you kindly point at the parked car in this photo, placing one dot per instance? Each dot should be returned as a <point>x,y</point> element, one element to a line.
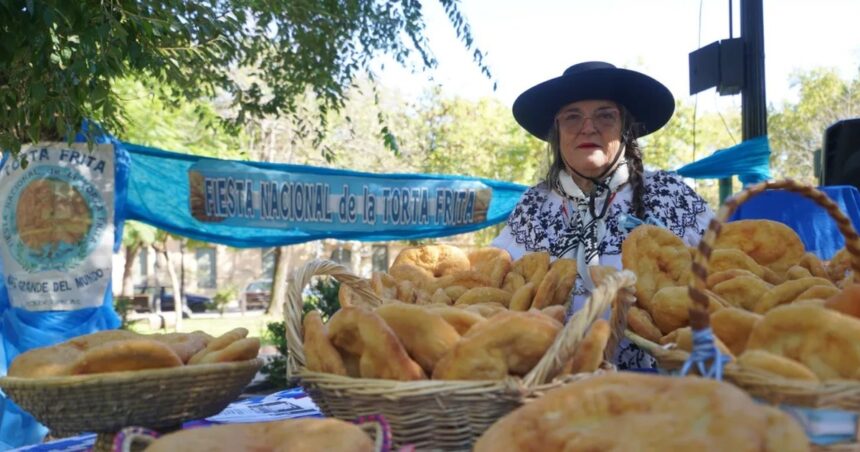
<point>196,303</point>
<point>258,294</point>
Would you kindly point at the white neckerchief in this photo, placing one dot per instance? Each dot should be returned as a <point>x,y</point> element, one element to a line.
<point>591,229</point>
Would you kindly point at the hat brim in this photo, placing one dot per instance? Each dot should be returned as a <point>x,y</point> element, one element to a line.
<point>648,100</point>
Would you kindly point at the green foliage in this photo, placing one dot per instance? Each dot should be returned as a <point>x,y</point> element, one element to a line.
<point>321,296</point>
<point>223,296</point>
<point>122,306</point>
<point>59,60</point>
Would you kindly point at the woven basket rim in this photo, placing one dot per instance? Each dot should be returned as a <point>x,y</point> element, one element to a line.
<point>129,376</point>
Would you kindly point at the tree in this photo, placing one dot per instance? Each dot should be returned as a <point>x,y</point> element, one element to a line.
<point>796,129</point>
<point>59,60</point>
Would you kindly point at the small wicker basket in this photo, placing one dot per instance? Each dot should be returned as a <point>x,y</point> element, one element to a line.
<point>159,399</point>
<point>841,395</point>
<point>436,414</point>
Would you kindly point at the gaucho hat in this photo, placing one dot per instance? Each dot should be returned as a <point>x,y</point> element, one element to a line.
<point>648,100</point>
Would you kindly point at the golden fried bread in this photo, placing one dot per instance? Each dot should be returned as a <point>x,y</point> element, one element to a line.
<point>670,308</point>
<point>683,339</point>
<point>640,322</point>
<point>293,435</point>
<point>556,285</point>
<point>639,412</point>
<point>557,312</point>
<point>219,343</point>
<point>461,319</point>
<point>846,301</point>
<point>787,292</point>
<point>769,243</point>
<point>532,266</point>
<point>484,295</point>
<point>239,350</point>
<point>424,333</point>
<point>589,353</point>
<point>742,291</point>
<point>491,261</point>
<point>521,299</point>
<point>52,361</point>
<point>132,354</point>
<point>658,257</point>
<point>437,260</point>
<point>511,343</point>
<point>715,278</point>
<point>824,340</point>
<point>361,335</point>
<point>776,364</point>
<point>185,345</point>
<point>320,355</point>
<point>733,327</point>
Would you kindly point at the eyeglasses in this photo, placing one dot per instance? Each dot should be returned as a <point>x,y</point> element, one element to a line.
<point>603,119</point>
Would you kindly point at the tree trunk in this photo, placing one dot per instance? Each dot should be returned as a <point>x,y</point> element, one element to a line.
<point>131,253</point>
<point>279,282</point>
<point>178,305</point>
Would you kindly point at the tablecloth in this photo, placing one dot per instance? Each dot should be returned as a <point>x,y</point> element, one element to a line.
<point>814,226</point>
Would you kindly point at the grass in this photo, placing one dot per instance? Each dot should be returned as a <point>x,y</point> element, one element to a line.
<point>215,325</point>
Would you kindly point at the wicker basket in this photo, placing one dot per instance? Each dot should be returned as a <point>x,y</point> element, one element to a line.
<point>841,395</point>
<point>434,414</point>
<point>105,403</point>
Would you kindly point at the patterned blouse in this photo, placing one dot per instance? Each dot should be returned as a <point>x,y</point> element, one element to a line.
<point>545,221</point>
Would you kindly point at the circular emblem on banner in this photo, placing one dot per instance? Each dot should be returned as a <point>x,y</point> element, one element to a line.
<point>54,218</point>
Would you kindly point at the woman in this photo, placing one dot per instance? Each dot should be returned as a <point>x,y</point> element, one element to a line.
<point>596,189</point>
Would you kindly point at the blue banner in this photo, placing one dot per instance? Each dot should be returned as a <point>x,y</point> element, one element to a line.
<point>255,204</point>
<point>749,160</point>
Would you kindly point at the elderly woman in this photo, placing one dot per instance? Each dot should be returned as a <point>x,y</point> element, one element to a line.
<point>596,189</point>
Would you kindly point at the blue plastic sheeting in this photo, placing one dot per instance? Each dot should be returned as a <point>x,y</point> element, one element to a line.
<point>817,230</point>
<point>750,161</point>
<point>23,330</point>
<point>158,194</point>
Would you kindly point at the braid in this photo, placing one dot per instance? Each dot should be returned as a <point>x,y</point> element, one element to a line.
<point>633,154</point>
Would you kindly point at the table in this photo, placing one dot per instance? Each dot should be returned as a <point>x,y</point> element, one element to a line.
<point>286,404</point>
<point>814,226</point>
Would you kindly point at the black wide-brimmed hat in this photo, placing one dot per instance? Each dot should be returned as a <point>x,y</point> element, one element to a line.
<point>648,100</point>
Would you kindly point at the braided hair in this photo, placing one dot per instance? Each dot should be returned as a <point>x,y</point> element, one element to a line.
<point>632,153</point>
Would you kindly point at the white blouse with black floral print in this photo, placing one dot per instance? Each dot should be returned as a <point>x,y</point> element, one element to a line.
<point>545,221</point>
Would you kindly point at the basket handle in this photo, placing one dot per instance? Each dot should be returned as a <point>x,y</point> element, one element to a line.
<point>618,285</point>
<point>296,283</point>
<point>133,439</point>
<point>378,428</point>
<point>699,318</point>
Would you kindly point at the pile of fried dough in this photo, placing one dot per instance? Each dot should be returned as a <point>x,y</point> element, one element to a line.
<point>452,315</point>
<point>121,350</point>
<point>773,306</point>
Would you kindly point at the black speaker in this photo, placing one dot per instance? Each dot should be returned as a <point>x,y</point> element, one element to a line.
<point>841,156</point>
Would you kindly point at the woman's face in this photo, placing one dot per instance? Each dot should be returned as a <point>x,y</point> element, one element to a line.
<point>589,135</point>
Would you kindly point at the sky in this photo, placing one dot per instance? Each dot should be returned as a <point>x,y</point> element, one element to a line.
<point>529,41</point>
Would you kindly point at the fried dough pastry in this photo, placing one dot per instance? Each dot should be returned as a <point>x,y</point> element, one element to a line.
<point>51,361</point>
<point>557,312</point>
<point>846,301</point>
<point>733,327</point>
<point>491,261</point>
<point>441,297</point>
<point>468,279</point>
<point>363,337</point>
<point>639,412</point>
<point>642,324</point>
<point>101,337</point>
<point>511,343</point>
<point>132,354</point>
<point>824,340</point>
<point>293,435</point>
<point>776,364</point>
<point>659,259</point>
<point>817,293</point>
<point>521,300</point>
<point>798,272</point>
<point>425,335</point>
<point>383,285</point>
<point>717,277</point>
<point>812,263</point>
<point>533,266</point>
<point>219,343</point>
<point>670,308</point>
<point>742,291</point>
<point>486,309</point>
<point>461,319</point>
<point>733,259</point>
<point>556,285</point>
<point>589,353</point>
<point>513,281</point>
<point>185,345</point>
<point>786,293</point>
<point>418,276</point>
<point>839,265</point>
<point>240,350</point>
<point>683,339</point>
<point>769,243</point>
<point>484,295</point>
<point>437,260</point>
<point>320,355</point>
